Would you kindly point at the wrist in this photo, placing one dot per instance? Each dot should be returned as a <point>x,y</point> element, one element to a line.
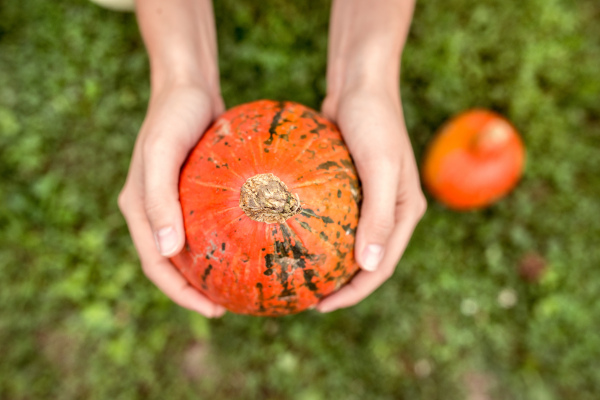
<point>180,38</point>
<point>359,78</point>
<point>191,74</point>
<point>366,44</point>
<point>363,70</point>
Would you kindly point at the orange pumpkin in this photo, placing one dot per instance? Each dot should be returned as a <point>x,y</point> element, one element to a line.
<point>475,159</point>
<point>270,200</point>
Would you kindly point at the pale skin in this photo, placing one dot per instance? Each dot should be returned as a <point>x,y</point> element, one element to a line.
<point>365,45</point>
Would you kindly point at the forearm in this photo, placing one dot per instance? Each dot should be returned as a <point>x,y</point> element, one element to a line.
<point>365,43</point>
<point>181,41</point>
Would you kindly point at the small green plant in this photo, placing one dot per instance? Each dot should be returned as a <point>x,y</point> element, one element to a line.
<point>78,319</point>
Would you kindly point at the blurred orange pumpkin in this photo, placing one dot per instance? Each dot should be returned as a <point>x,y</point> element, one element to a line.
<point>476,158</point>
<point>270,200</point>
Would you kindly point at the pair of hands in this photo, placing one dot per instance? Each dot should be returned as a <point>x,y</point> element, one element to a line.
<point>372,125</point>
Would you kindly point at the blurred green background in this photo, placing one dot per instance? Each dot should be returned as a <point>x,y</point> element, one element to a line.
<point>78,319</point>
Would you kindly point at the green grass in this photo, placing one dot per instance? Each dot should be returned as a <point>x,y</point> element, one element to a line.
<point>78,320</point>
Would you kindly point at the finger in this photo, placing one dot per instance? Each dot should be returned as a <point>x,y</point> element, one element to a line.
<point>218,104</point>
<point>170,282</point>
<point>164,151</point>
<point>380,182</point>
<point>365,283</point>
<point>329,107</point>
<point>159,270</point>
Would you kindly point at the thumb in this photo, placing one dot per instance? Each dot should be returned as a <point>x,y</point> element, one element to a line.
<point>377,220</point>
<point>175,122</point>
<point>163,158</point>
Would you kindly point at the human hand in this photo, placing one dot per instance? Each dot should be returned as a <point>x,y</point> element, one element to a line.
<point>177,117</point>
<point>371,121</point>
<point>180,38</point>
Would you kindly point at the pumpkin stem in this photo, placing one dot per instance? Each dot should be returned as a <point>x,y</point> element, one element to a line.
<point>493,137</point>
<point>265,198</point>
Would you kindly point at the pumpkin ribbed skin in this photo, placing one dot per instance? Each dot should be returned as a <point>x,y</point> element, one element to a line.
<point>263,268</point>
<point>475,159</point>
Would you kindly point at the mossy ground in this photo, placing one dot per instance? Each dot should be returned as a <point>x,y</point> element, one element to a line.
<point>78,320</point>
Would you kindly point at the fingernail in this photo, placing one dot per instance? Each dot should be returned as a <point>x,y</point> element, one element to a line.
<point>166,240</point>
<point>372,255</point>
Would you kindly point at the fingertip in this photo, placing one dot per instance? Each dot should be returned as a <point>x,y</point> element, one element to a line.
<point>210,310</point>
<point>328,108</point>
<point>219,311</point>
<point>326,308</point>
<point>219,107</point>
